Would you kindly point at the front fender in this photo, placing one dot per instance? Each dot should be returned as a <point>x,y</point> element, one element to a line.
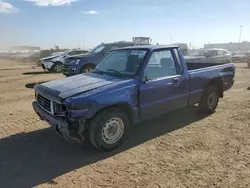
<point>89,106</point>
<point>124,96</point>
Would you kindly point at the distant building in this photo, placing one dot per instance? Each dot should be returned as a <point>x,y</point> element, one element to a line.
<point>232,46</point>
<point>142,39</point>
<point>25,48</point>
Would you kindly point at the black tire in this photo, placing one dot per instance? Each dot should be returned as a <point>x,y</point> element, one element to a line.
<point>209,100</point>
<point>87,68</point>
<point>99,122</point>
<point>57,67</point>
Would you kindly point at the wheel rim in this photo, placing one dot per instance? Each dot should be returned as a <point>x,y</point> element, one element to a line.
<point>113,130</point>
<point>212,100</point>
<point>58,68</point>
<point>87,70</point>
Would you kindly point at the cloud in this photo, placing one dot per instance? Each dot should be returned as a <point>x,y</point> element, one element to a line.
<point>44,3</point>
<point>7,7</point>
<point>90,12</point>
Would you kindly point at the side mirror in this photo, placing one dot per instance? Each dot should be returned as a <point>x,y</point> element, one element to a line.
<point>105,53</point>
<point>144,79</point>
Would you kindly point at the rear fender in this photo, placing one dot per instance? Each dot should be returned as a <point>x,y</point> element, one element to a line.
<point>218,83</point>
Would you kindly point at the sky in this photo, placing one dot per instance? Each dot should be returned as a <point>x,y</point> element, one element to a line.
<point>87,23</point>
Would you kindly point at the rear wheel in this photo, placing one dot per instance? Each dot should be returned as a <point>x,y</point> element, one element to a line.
<point>209,100</point>
<point>87,69</point>
<point>108,128</point>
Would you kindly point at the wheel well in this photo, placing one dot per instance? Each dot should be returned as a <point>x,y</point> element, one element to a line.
<point>89,64</point>
<point>217,82</point>
<point>127,109</point>
<point>124,107</point>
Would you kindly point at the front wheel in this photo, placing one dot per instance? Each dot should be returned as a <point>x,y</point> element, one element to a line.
<point>57,68</point>
<point>108,128</point>
<point>87,69</point>
<point>209,100</point>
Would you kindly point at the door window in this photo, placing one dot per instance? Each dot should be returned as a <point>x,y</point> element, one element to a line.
<point>81,52</point>
<point>160,64</point>
<point>72,53</point>
<point>221,52</point>
<point>212,53</point>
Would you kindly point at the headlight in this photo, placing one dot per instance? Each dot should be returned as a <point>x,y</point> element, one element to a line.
<point>75,61</point>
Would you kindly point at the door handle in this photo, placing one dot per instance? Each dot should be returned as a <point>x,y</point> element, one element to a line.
<point>176,81</point>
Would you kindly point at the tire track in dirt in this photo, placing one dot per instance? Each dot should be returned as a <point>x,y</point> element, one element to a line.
<point>17,79</point>
<point>21,123</point>
<point>4,101</point>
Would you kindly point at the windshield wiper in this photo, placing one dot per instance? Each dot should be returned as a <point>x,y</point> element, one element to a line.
<point>113,70</point>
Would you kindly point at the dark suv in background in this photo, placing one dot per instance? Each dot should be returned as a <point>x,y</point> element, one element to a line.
<point>212,55</point>
<point>86,63</point>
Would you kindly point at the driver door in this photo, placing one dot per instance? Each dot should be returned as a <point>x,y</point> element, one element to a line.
<point>166,88</point>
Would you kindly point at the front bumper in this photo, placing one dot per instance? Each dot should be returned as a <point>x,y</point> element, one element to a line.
<point>60,126</point>
<point>69,70</point>
<point>43,66</point>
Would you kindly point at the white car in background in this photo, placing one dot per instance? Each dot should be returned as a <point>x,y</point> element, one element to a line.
<point>54,63</point>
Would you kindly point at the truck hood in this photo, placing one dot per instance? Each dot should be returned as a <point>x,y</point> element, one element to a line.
<point>48,58</point>
<point>67,87</point>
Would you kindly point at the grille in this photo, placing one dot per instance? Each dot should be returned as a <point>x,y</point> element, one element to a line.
<point>44,102</point>
<point>64,66</point>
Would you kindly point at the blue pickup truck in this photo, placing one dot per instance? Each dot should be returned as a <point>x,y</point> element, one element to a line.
<point>130,85</point>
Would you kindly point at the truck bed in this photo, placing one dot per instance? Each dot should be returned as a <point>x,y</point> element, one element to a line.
<point>193,66</point>
<point>201,73</point>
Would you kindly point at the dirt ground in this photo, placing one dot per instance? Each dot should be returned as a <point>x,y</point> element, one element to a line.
<point>181,149</point>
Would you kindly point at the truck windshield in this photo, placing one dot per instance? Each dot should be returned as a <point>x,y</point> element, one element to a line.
<point>97,49</point>
<point>122,62</point>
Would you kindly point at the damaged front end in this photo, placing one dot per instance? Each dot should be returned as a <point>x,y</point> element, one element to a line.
<point>72,130</point>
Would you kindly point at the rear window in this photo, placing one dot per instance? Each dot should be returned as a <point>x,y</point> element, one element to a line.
<point>97,49</point>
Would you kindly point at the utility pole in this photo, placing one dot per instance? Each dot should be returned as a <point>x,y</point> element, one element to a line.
<point>240,33</point>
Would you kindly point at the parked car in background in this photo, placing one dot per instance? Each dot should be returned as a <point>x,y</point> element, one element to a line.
<point>54,63</point>
<point>212,55</point>
<point>4,54</point>
<point>130,85</point>
<point>240,56</point>
<point>86,63</point>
